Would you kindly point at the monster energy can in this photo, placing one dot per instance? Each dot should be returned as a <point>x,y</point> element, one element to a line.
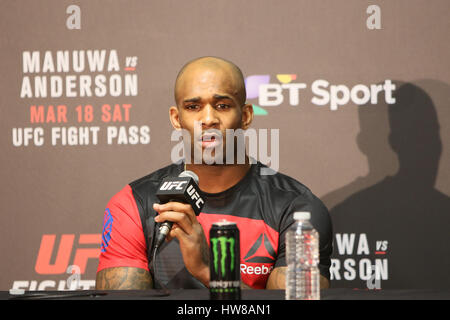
<point>225,275</point>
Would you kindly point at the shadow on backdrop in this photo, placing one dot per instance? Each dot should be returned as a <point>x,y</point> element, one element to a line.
<point>403,208</point>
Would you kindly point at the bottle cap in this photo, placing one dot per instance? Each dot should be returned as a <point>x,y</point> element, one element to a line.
<point>302,215</point>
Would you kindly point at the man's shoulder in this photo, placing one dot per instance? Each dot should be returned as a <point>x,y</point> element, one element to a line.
<point>288,192</point>
<point>280,182</point>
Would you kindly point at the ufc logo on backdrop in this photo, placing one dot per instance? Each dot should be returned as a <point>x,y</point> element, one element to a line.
<point>64,252</point>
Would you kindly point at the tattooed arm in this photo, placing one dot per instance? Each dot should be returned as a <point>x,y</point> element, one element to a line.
<point>123,278</point>
<point>277,279</point>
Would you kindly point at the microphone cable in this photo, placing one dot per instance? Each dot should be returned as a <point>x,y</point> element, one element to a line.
<point>165,291</point>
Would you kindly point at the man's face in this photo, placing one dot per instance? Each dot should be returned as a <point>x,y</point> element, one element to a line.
<point>209,99</point>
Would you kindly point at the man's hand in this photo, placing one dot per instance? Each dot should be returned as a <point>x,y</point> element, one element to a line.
<point>189,233</point>
<point>277,279</point>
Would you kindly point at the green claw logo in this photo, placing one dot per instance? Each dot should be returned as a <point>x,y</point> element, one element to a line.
<point>223,247</point>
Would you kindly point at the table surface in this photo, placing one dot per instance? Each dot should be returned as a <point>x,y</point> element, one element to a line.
<point>203,294</point>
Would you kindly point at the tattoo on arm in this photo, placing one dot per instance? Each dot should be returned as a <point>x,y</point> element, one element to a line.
<point>123,278</point>
<point>277,278</point>
<point>324,282</point>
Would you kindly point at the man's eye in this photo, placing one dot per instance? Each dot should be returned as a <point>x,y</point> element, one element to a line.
<point>192,107</point>
<point>223,106</point>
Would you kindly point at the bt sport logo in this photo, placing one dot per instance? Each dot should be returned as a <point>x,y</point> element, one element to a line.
<point>272,94</point>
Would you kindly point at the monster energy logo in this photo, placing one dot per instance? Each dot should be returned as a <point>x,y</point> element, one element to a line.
<point>223,247</point>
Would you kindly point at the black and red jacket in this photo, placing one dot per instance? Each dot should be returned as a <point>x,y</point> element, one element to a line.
<point>261,205</point>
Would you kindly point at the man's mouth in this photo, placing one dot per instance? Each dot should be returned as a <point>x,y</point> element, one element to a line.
<point>210,140</point>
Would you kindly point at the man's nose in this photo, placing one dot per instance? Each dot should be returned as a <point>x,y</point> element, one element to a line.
<point>209,116</point>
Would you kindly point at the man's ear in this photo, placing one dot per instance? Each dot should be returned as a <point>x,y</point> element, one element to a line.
<point>247,116</point>
<point>174,117</point>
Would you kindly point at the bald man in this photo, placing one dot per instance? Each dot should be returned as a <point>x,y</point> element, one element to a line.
<point>210,93</point>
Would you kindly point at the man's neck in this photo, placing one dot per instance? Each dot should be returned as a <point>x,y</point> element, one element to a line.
<point>218,178</point>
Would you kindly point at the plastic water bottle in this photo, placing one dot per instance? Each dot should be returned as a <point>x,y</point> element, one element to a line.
<point>302,254</point>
